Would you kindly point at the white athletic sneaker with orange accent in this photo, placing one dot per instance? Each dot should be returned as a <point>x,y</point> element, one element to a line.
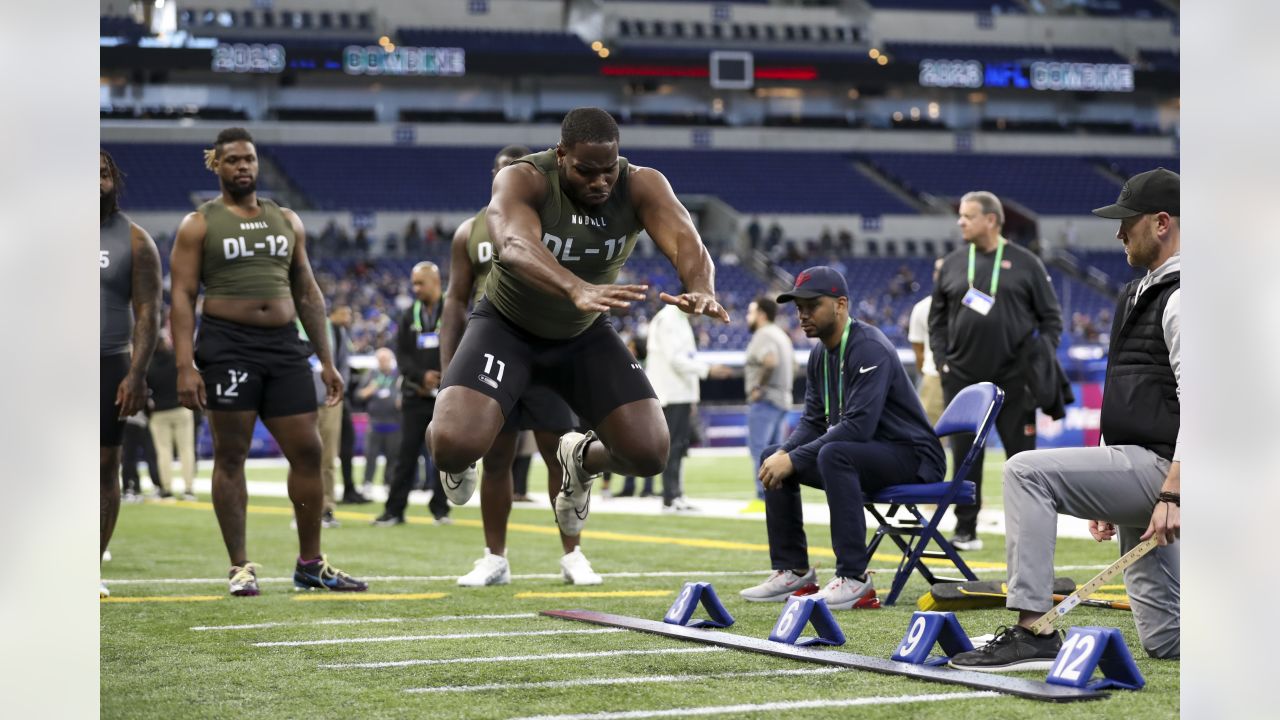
<point>781,585</point>
<point>847,593</point>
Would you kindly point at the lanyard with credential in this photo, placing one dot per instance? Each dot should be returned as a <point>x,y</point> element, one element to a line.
<point>417,317</point>
<point>826,377</point>
<point>995,270</point>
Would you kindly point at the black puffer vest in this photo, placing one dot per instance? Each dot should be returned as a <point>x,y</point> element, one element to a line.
<point>1140,399</point>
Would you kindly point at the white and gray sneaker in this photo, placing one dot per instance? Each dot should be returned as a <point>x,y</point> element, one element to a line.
<point>102,590</point>
<point>576,569</point>
<point>460,487</point>
<point>490,570</point>
<point>574,501</point>
<point>781,585</point>
<point>846,593</point>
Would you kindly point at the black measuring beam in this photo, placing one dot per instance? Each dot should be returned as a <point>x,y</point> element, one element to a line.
<point>1032,689</point>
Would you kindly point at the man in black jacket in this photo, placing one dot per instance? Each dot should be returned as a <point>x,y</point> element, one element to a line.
<point>1131,484</point>
<point>863,429</point>
<point>990,301</point>
<point>418,356</point>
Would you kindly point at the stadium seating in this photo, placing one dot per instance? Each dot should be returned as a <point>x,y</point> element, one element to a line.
<point>1053,184</point>
<point>162,176</point>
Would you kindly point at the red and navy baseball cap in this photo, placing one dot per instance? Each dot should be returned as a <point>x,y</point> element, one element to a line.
<point>817,282</point>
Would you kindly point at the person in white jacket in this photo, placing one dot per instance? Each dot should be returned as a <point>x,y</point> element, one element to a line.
<point>675,371</point>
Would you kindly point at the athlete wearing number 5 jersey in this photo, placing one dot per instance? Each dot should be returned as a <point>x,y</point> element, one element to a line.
<point>249,361</point>
<point>563,222</point>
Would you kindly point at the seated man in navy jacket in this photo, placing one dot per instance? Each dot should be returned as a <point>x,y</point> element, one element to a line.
<point>863,429</point>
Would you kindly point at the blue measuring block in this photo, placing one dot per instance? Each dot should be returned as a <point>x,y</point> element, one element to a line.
<point>799,612</point>
<point>693,594</point>
<point>1090,648</point>
<point>928,629</point>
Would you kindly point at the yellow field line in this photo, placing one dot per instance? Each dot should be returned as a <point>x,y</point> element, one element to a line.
<point>702,543</point>
<point>590,594</point>
<point>363,596</point>
<point>164,599</point>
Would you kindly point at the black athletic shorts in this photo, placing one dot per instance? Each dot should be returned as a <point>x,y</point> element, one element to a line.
<point>594,372</point>
<point>255,368</point>
<point>540,408</point>
<point>111,370</point>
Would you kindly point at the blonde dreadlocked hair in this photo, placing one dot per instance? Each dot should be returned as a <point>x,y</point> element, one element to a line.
<point>231,134</point>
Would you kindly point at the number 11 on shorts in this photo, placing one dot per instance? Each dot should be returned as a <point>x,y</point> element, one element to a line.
<point>489,362</point>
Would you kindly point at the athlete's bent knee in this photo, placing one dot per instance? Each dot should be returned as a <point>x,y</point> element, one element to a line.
<point>452,450</point>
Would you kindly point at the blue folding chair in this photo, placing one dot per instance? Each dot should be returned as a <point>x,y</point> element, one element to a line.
<point>974,410</point>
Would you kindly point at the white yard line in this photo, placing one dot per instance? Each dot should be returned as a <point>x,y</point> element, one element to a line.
<point>766,707</point>
<point>450,636</point>
<point>633,680</point>
<point>363,621</point>
<point>522,658</point>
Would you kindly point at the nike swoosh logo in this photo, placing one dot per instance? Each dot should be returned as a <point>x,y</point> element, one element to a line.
<point>862,370</point>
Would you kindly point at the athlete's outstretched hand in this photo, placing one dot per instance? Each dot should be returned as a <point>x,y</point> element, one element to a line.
<point>603,298</point>
<point>332,384</point>
<point>191,389</point>
<point>697,303</point>
<point>131,395</point>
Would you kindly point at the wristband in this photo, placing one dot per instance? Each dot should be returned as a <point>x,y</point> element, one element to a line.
<point>1170,497</point>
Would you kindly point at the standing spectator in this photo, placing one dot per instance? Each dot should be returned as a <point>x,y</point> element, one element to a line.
<point>770,372</point>
<point>418,357</point>
<point>381,396</point>
<point>990,301</point>
<point>754,233</point>
<point>329,417</point>
<point>340,340</point>
<point>138,446</point>
<point>918,335</point>
<point>1132,484</point>
<point>675,372</point>
<point>171,423</point>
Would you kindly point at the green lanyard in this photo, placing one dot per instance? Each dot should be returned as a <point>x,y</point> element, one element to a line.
<point>417,317</point>
<point>826,376</point>
<point>995,271</point>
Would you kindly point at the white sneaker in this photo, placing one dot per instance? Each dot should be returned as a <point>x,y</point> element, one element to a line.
<point>576,569</point>
<point>781,585</point>
<point>106,556</point>
<point>102,590</point>
<point>965,542</point>
<point>845,593</point>
<point>682,505</point>
<point>459,488</point>
<point>574,501</point>
<point>490,570</point>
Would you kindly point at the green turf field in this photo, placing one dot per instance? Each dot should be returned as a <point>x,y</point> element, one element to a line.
<point>155,665</point>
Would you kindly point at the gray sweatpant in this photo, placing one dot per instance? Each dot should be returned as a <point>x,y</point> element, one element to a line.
<point>1116,484</point>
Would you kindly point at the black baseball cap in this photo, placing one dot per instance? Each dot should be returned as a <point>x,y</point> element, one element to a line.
<point>1150,192</point>
<point>817,282</point>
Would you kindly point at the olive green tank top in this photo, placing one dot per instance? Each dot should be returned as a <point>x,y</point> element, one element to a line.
<point>246,257</point>
<point>480,250</point>
<point>591,243</point>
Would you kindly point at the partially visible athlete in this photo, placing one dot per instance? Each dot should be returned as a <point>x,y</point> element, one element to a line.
<point>540,410</point>
<point>563,222</point>
<point>129,302</point>
<point>250,362</point>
